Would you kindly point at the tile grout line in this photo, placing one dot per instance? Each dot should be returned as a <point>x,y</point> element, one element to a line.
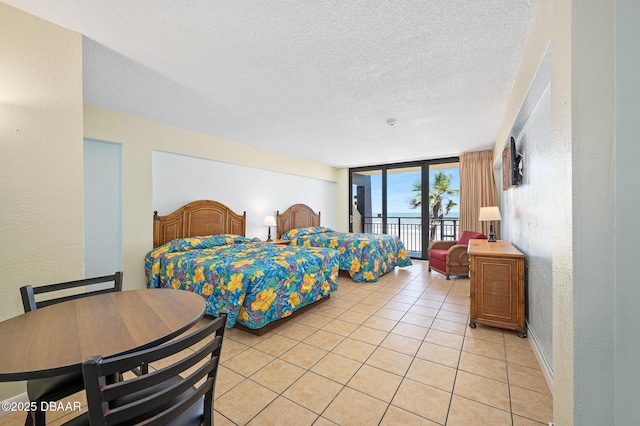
<point>389,297</point>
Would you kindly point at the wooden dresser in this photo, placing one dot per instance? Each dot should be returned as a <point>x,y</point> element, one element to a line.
<point>497,285</point>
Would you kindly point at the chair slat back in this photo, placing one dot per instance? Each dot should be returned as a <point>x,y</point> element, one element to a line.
<point>161,395</point>
<point>28,293</point>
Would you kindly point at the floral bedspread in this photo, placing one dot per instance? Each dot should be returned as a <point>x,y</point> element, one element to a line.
<point>365,256</point>
<point>256,283</point>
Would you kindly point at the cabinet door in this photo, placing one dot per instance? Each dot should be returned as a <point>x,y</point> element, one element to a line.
<point>497,290</point>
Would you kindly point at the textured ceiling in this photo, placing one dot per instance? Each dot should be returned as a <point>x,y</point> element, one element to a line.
<point>314,79</point>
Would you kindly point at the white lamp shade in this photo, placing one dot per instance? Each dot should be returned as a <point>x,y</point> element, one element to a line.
<point>269,221</point>
<point>489,213</point>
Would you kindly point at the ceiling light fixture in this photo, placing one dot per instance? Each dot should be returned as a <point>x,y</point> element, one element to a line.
<point>392,123</point>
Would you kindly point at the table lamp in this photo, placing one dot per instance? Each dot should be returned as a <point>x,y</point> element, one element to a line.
<point>490,214</point>
<point>269,221</point>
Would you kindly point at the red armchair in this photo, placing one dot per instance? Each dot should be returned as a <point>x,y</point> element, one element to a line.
<point>450,257</point>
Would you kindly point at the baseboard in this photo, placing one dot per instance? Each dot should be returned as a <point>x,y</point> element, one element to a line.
<point>547,370</point>
<point>22,398</point>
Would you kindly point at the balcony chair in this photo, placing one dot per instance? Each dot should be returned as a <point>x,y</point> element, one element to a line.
<point>450,257</point>
<point>58,387</point>
<point>171,395</point>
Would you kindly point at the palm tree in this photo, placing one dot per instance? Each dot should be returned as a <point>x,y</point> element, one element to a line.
<point>440,193</point>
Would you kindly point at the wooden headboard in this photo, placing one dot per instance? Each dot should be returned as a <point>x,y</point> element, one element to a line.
<point>198,218</point>
<point>296,216</point>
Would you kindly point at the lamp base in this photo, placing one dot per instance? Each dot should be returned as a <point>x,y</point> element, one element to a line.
<point>269,235</point>
<point>492,235</point>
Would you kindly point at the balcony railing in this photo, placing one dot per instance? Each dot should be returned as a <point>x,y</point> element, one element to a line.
<point>409,229</point>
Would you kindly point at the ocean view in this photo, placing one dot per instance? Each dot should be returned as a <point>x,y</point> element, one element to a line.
<point>408,226</point>
<point>407,217</point>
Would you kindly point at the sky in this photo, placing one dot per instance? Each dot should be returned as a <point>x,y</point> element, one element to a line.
<point>399,188</point>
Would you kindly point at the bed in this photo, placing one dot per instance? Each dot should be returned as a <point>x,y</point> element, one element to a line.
<point>365,256</point>
<point>201,248</point>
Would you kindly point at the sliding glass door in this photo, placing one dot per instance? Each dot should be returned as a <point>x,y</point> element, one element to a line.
<point>404,207</point>
<point>388,199</point>
<point>444,202</point>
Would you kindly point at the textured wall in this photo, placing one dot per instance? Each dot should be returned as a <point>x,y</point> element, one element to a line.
<point>582,200</point>
<point>626,209</point>
<point>140,138</point>
<point>40,158</point>
<point>593,195</point>
<point>552,28</point>
<point>527,212</point>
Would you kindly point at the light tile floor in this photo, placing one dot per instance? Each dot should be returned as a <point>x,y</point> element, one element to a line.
<point>395,352</point>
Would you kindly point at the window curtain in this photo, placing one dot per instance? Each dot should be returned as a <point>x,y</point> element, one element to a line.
<point>477,189</point>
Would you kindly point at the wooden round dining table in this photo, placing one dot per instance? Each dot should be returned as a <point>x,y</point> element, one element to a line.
<point>57,339</point>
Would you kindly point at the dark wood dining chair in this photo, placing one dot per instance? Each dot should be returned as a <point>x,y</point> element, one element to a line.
<point>178,394</point>
<point>58,387</point>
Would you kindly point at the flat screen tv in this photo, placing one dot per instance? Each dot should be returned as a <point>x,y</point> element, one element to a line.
<point>511,172</point>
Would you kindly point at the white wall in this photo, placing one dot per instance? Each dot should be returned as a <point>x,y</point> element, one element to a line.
<point>140,138</point>
<point>102,208</point>
<point>527,213</point>
<point>180,179</point>
<point>627,204</point>
<point>41,225</point>
<point>547,163</point>
<point>591,179</point>
<point>593,195</point>
<point>343,203</point>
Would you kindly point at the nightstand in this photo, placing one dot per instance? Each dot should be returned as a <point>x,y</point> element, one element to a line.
<point>282,242</point>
